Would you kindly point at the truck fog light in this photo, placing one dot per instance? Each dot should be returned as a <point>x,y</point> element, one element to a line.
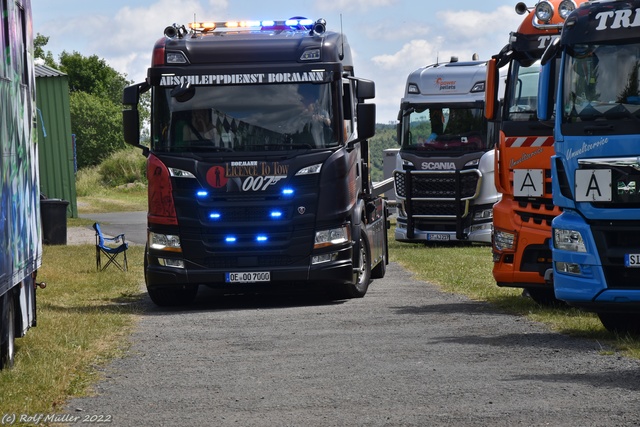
<point>319,259</point>
<point>568,240</point>
<point>503,240</point>
<point>568,267</point>
<point>168,262</point>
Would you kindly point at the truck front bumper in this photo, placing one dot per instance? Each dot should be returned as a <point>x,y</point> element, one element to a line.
<point>339,271</point>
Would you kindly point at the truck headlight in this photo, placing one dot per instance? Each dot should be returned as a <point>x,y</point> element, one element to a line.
<point>568,240</point>
<point>503,240</point>
<point>333,236</point>
<point>483,214</point>
<point>164,242</point>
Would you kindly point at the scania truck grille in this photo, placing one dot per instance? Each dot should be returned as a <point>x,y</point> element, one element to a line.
<point>460,185</point>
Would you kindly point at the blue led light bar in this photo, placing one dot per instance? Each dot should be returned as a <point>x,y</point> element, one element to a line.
<point>231,239</point>
<point>215,215</point>
<point>275,214</point>
<point>287,191</point>
<point>261,238</point>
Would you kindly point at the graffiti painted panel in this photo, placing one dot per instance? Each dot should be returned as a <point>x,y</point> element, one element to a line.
<point>20,231</point>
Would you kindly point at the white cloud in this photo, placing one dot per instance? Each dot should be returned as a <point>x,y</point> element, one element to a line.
<point>350,5</point>
<point>411,55</point>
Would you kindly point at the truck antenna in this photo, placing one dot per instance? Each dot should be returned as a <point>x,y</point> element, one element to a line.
<point>341,40</point>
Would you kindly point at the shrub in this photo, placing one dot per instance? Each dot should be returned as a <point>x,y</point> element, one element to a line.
<point>89,182</point>
<point>124,167</point>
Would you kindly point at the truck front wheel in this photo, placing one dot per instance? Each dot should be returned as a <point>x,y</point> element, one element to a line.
<point>362,272</point>
<point>7,331</point>
<point>621,323</point>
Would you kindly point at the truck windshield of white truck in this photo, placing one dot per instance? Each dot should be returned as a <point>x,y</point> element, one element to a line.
<point>446,129</point>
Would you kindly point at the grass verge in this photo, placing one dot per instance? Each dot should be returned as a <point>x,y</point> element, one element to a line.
<point>84,319</point>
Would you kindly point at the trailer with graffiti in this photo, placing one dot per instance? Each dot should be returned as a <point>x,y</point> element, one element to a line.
<point>20,230</point>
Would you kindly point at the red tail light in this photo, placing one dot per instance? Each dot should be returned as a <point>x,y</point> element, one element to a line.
<point>162,210</point>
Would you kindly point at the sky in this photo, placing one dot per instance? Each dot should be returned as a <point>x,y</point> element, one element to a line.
<point>388,38</point>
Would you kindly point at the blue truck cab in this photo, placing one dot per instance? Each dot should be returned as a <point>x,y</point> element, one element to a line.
<point>596,168</point>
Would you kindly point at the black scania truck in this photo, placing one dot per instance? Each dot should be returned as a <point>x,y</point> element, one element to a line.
<point>258,161</point>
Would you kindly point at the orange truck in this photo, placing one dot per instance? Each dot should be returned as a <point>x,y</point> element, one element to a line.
<point>522,218</point>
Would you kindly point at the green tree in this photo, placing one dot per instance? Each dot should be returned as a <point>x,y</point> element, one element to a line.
<point>97,124</point>
<point>92,75</point>
<point>39,42</point>
<point>385,138</point>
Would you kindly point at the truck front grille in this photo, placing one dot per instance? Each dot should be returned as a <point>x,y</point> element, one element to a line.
<point>439,185</point>
<point>613,242</point>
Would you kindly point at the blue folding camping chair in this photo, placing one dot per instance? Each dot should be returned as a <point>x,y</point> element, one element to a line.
<point>110,247</point>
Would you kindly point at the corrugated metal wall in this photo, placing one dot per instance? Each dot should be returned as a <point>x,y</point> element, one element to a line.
<point>55,144</point>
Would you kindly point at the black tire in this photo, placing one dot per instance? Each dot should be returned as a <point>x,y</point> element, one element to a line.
<point>7,331</point>
<point>621,323</point>
<point>543,297</point>
<point>362,276</point>
<point>173,297</point>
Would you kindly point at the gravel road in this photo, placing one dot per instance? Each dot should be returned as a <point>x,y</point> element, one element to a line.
<point>404,355</point>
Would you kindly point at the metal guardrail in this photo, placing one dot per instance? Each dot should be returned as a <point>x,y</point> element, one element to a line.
<point>379,188</point>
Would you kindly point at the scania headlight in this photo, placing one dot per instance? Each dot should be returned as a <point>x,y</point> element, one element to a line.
<point>483,214</point>
<point>568,240</point>
<point>503,240</point>
<point>333,236</point>
<point>164,242</point>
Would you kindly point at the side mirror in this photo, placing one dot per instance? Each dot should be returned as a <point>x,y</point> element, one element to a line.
<point>365,89</point>
<point>546,86</point>
<point>491,90</point>
<point>131,115</point>
<point>366,120</point>
<point>399,133</point>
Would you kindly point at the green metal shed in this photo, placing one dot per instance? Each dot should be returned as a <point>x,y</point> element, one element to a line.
<point>55,141</point>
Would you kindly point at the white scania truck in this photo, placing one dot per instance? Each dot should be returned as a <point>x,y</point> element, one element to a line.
<point>444,170</point>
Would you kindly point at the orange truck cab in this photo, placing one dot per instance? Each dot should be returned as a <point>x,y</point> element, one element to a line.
<point>522,218</point>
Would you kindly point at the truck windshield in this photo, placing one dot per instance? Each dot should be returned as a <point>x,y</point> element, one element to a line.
<point>244,118</point>
<point>601,82</point>
<point>444,129</point>
<point>523,93</point>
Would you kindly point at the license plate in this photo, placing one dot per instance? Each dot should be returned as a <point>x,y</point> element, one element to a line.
<point>437,237</point>
<point>248,277</point>
<point>632,260</point>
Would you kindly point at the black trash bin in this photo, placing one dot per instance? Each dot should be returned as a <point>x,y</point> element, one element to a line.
<point>53,213</point>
